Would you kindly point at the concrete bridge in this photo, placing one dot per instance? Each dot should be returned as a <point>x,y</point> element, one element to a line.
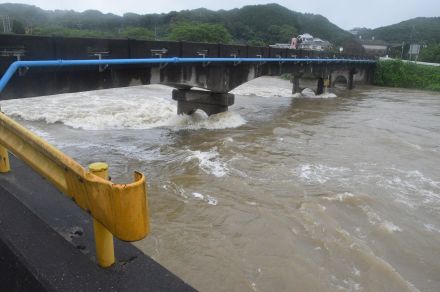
<point>216,68</point>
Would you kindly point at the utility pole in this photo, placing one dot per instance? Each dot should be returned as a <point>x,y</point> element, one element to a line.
<point>6,21</point>
<point>401,54</point>
<point>411,42</point>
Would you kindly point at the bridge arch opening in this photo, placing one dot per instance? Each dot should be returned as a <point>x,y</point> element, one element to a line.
<point>340,81</point>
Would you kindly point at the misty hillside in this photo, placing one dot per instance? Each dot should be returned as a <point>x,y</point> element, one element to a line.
<point>420,29</point>
<point>255,24</point>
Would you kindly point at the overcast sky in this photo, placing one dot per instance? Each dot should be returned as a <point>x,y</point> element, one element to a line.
<point>344,13</point>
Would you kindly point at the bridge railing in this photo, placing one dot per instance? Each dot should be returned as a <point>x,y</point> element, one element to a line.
<point>117,209</point>
<point>25,47</point>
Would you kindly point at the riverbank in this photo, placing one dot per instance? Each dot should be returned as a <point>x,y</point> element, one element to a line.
<point>396,73</point>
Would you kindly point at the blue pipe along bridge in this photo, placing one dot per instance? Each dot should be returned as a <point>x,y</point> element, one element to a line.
<point>33,66</point>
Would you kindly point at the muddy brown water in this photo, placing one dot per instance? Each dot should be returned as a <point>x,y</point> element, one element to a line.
<point>281,193</point>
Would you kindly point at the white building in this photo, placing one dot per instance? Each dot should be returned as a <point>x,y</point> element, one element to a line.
<point>308,42</point>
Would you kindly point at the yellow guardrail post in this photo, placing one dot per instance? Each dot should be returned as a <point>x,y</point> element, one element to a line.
<point>4,160</point>
<point>105,250</point>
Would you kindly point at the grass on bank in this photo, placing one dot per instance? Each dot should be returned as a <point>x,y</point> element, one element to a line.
<point>396,73</point>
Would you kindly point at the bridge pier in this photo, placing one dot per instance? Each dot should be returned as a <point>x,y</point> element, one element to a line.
<point>320,86</point>
<point>188,101</point>
<point>295,80</point>
<point>328,84</point>
<point>350,80</point>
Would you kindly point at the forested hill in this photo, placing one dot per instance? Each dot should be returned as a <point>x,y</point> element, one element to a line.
<point>420,29</point>
<point>255,25</point>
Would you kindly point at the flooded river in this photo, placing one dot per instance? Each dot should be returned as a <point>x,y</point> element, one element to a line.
<point>281,193</point>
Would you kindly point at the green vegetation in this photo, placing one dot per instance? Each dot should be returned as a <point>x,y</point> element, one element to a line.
<point>424,30</point>
<point>253,25</point>
<point>199,32</point>
<point>407,75</point>
<point>18,27</point>
<point>57,30</point>
<point>430,54</point>
<point>137,33</point>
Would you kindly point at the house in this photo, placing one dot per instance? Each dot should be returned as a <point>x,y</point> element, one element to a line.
<point>308,42</point>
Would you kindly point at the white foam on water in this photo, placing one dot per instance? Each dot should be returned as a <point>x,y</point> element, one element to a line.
<point>39,132</point>
<point>340,197</point>
<point>262,92</point>
<point>200,120</point>
<point>209,161</point>
<point>327,95</point>
<point>419,177</point>
<point>431,228</point>
<point>372,216</point>
<point>198,196</point>
<point>142,107</point>
<point>176,189</point>
<point>318,173</point>
<point>265,87</point>
<point>412,187</point>
<point>229,139</point>
<point>309,93</point>
<point>95,110</point>
<point>390,227</point>
<point>275,87</point>
<point>210,200</point>
<point>376,220</point>
<point>412,179</point>
<point>356,272</point>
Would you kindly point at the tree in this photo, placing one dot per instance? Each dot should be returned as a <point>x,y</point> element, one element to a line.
<point>280,34</point>
<point>430,54</point>
<point>199,32</point>
<point>56,30</point>
<point>262,24</point>
<point>137,33</point>
<point>18,27</point>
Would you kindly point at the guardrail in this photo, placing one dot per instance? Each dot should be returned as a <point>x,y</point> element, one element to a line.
<point>69,63</point>
<point>117,209</point>
<point>32,47</point>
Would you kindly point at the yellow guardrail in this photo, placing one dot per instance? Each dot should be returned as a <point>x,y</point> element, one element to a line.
<point>120,209</point>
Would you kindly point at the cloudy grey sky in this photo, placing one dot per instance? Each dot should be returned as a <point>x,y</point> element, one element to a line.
<point>344,13</point>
